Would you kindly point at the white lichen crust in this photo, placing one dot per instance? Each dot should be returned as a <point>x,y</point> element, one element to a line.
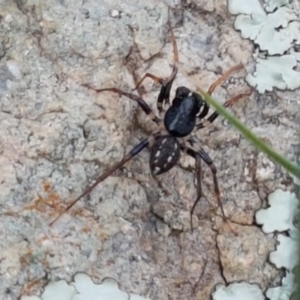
<point>286,253</point>
<point>83,288</point>
<point>284,206</point>
<point>285,290</point>
<point>263,28</point>
<point>280,215</point>
<point>237,291</point>
<point>277,71</point>
<point>275,29</point>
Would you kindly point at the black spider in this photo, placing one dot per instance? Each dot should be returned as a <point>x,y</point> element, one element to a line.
<point>179,121</point>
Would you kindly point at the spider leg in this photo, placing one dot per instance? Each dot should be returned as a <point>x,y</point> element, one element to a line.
<point>213,87</point>
<point>198,155</point>
<point>213,169</point>
<point>164,94</point>
<point>215,114</point>
<point>220,80</point>
<point>153,77</point>
<point>143,105</point>
<point>137,149</point>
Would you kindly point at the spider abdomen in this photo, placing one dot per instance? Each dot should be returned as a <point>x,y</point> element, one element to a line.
<point>164,154</point>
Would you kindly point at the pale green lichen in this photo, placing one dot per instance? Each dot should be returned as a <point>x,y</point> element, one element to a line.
<point>275,71</point>
<point>284,291</point>
<point>238,291</point>
<point>275,29</point>
<point>271,5</point>
<point>83,288</point>
<point>274,32</point>
<point>286,253</point>
<point>279,216</point>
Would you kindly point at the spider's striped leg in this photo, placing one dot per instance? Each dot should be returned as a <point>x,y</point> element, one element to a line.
<point>164,94</point>
<point>143,105</point>
<point>202,155</point>
<point>137,149</point>
<point>215,114</point>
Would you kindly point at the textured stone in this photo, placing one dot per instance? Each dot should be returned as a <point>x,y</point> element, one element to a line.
<point>57,136</point>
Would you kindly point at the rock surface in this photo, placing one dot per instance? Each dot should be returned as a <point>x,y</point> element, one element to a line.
<point>57,136</point>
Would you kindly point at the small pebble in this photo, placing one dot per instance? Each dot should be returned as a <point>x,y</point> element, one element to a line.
<point>115,13</point>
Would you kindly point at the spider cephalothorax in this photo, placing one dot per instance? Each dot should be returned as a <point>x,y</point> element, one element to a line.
<point>180,118</point>
<point>179,121</point>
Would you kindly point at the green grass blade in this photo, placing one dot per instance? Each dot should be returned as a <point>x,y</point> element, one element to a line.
<point>272,154</point>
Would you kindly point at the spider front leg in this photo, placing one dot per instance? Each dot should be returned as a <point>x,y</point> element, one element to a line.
<point>228,103</point>
<point>220,80</point>
<point>137,149</point>
<point>143,105</point>
<point>164,94</point>
<point>215,114</point>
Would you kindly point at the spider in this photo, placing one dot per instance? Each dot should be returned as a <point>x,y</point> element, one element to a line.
<point>186,114</point>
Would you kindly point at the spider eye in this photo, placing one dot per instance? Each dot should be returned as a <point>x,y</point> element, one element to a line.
<point>164,155</point>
